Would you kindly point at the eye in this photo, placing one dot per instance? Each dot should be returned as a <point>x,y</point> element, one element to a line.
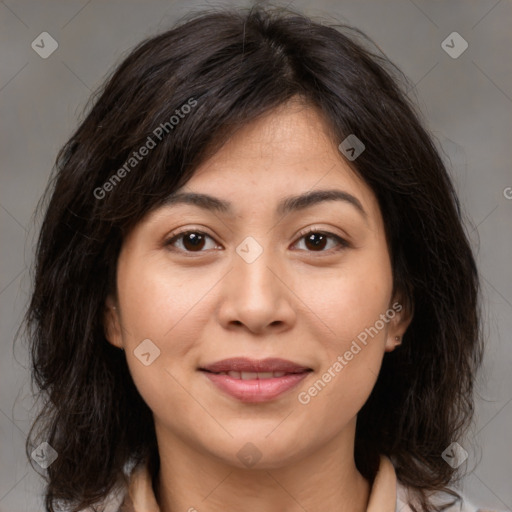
<point>316,240</point>
<point>191,241</point>
<point>195,241</point>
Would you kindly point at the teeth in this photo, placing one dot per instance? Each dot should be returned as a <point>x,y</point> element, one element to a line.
<point>252,375</point>
<point>248,375</point>
<point>264,375</point>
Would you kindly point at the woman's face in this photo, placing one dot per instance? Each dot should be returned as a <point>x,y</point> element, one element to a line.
<point>248,282</point>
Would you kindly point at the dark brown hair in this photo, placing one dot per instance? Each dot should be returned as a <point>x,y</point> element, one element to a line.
<point>236,65</point>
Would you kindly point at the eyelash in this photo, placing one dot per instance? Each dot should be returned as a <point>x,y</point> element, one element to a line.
<point>342,243</point>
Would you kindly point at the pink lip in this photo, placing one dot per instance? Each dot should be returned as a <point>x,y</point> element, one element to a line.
<point>256,390</point>
<point>244,364</point>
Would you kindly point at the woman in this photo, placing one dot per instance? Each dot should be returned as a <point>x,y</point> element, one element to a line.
<point>253,287</point>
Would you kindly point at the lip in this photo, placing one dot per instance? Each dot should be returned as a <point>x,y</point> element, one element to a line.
<point>245,364</point>
<point>255,390</point>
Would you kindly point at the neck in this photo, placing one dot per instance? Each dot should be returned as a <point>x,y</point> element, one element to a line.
<point>325,479</point>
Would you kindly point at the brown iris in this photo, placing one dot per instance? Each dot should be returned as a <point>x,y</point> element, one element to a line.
<point>193,241</point>
<point>315,243</point>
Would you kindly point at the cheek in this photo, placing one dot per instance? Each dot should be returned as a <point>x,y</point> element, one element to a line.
<point>165,308</point>
<point>349,299</point>
<point>350,305</point>
<point>157,303</point>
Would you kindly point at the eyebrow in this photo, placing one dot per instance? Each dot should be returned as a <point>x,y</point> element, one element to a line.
<point>286,205</point>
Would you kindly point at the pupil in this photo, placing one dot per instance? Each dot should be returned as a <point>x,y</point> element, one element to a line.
<point>318,244</point>
<point>193,240</point>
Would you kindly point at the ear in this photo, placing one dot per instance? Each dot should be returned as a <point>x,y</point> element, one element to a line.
<point>398,324</point>
<point>112,324</point>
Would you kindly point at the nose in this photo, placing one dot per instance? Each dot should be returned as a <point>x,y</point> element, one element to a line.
<point>256,296</point>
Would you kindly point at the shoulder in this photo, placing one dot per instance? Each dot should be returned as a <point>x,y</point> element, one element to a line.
<point>464,505</point>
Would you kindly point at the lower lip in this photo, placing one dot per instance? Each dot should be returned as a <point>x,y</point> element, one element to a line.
<point>256,390</point>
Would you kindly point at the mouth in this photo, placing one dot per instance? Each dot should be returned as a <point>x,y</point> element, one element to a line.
<point>245,365</point>
<point>255,375</point>
<point>255,381</point>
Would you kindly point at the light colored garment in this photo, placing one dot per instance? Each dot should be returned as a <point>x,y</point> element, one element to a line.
<point>387,494</point>
<point>465,506</point>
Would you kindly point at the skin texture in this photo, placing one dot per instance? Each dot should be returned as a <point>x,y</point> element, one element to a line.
<point>294,302</point>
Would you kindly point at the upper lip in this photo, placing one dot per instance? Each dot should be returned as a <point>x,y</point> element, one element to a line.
<point>244,364</point>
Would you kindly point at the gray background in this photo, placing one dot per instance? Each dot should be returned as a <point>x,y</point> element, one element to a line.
<point>467,104</point>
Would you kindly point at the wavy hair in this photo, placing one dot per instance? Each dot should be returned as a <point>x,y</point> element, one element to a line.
<point>238,64</point>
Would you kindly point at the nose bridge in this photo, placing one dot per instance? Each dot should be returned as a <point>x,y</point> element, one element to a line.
<point>254,295</point>
<point>251,267</point>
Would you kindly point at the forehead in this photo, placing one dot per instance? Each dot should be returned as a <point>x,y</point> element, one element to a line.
<point>284,160</point>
